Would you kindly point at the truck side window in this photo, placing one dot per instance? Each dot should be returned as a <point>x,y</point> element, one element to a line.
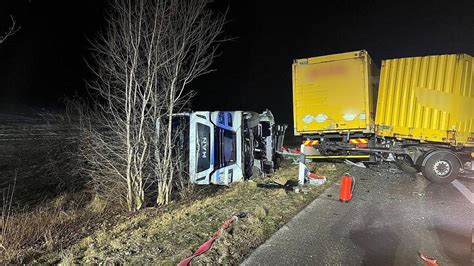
<point>229,147</point>
<point>221,118</point>
<point>265,129</point>
<point>229,119</point>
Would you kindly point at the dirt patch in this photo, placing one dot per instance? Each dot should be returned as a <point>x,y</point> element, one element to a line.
<point>166,236</point>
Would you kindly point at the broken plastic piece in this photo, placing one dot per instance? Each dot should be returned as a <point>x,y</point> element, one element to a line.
<point>359,164</point>
<point>428,260</point>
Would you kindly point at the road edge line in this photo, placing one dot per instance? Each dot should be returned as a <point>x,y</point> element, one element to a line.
<point>464,190</point>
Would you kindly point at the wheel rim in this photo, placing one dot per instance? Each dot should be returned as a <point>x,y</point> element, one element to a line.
<point>442,168</point>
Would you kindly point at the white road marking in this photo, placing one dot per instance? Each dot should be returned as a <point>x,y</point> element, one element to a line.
<point>464,190</point>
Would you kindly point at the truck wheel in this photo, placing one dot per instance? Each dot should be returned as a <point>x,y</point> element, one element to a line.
<point>406,165</point>
<point>407,168</point>
<point>441,167</point>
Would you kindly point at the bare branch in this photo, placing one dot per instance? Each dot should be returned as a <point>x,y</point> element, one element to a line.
<point>11,31</point>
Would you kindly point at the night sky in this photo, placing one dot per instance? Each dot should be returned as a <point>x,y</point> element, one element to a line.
<point>44,61</point>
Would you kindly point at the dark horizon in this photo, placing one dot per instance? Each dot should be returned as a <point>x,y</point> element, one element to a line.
<point>45,61</point>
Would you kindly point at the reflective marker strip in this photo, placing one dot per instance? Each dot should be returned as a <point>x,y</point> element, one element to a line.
<point>358,141</point>
<point>310,142</point>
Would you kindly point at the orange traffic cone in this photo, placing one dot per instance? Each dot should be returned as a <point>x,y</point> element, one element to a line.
<point>346,188</point>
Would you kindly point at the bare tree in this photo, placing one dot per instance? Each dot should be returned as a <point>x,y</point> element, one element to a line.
<point>128,59</point>
<point>190,47</point>
<point>11,30</point>
<point>149,52</point>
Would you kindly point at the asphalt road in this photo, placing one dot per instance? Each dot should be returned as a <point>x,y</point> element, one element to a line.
<point>391,217</point>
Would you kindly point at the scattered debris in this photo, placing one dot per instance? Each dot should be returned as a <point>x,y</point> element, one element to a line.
<point>429,261</point>
<point>292,154</point>
<point>280,180</point>
<point>305,190</point>
<point>317,181</point>
<point>305,174</point>
<point>328,167</point>
<point>358,164</point>
<point>395,171</point>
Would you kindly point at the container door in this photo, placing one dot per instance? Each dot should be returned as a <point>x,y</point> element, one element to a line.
<point>331,95</point>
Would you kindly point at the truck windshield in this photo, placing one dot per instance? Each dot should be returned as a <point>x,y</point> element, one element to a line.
<point>225,142</point>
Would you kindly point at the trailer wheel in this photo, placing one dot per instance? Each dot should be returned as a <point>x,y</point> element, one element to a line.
<point>441,167</point>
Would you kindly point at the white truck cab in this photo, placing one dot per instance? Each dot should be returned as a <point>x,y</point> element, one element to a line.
<point>215,141</point>
<point>225,146</point>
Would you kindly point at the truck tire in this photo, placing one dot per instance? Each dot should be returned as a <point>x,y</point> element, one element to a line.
<point>406,165</point>
<point>441,167</point>
<point>407,168</point>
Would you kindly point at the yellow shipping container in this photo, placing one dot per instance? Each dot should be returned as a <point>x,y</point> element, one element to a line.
<point>429,98</point>
<point>334,93</point>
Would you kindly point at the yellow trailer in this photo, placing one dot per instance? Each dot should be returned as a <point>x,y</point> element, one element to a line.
<point>334,94</point>
<point>423,117</point>
<point>428,98</point>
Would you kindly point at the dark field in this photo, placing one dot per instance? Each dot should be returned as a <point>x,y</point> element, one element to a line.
<point>34,157</point>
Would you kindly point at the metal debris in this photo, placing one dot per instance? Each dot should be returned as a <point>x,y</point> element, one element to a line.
<point>359,164</point>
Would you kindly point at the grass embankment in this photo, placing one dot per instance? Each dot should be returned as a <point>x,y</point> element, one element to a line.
<point>168,235</point>
<point>50,227</point>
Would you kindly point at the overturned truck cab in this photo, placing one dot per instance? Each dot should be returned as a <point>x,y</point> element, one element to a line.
<point>224,147</point>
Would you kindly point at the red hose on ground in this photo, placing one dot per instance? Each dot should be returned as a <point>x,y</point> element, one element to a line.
<point>208,244</point>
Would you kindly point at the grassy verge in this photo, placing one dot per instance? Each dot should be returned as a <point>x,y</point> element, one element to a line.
<point>26,235</point>
<point>168,235</point>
